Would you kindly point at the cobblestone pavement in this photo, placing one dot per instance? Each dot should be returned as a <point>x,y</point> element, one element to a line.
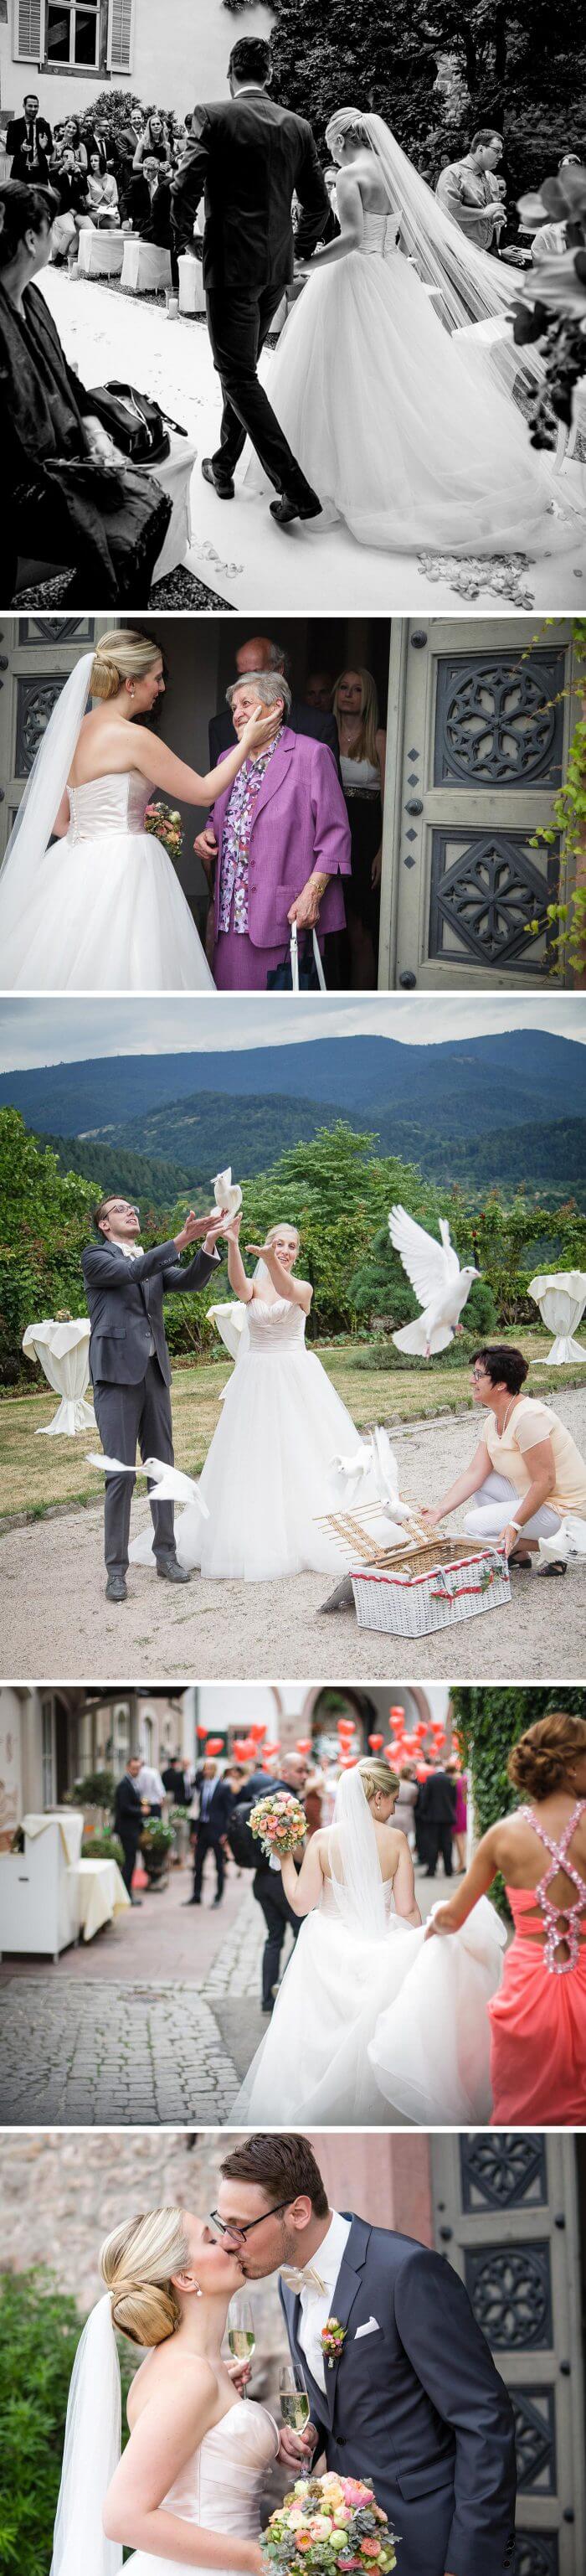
<point>75,2055</point>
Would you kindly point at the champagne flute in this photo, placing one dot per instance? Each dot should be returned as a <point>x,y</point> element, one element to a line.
<point>241,2334</point>
<point>293,2397</point>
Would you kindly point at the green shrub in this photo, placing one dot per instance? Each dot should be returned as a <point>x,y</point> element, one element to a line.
<point>104,1846</point>
<point>488,1723</point>
<point>39,2334</point>
<point>97,1790</point>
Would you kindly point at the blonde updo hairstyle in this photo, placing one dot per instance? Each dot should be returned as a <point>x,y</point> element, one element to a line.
<point>121,656</point>
<point>542,1759</point>
<point>137,2262</point>
<point>377,1775</point>
<point>284,1227</point>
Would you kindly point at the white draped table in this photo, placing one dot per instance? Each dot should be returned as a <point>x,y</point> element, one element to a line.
<point>561,1298</point>
<point>63,1353</point>
<point>101,1895</point>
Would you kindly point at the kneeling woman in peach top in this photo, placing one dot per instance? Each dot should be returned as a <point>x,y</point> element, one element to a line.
<point>538,2017</point>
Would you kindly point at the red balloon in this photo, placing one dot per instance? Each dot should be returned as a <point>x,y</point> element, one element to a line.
<point>348,1761</point>
<point>390,1753</point>
<point>214,1744</point>
<point>397,1712</point>
<point>346,1726</point>
<point>202,1730</point>
<point>245,1748</point>
<point>375,1742</point>
<point>304,1744</point>
<point>258,1730</point>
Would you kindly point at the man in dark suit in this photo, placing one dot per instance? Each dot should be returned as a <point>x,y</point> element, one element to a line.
<point>129,1820</point>
<point>412,2396</point>
<point>260,653</point>
<point>267,1883</point>
<point>438,1809</point>
<point>130,1365</point>
<point>29,139</point>
<point>250,157</point>
<point>215,1807</point>
<point>174,1782</point>
<point>147,206</point>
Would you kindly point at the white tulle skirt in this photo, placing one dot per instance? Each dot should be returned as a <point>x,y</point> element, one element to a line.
<point>363,2028</point>
<point>107,915</point>
<point>268,1475</point>
<point>399,426</point>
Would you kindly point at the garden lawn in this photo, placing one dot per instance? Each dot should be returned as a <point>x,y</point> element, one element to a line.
<point>37,1474</point>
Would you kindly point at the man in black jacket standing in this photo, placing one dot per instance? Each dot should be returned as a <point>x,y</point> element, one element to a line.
<point>267,1883</point>
<point>129,1821</point>
<point>215,1805</point>
<point>250,158</point>
<point>438,1809</point>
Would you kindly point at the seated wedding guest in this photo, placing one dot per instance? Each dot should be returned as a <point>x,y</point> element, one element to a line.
<point>67,499</point>
<point>469,191</point>
<point>283,845</point>
<point>28,138</point>
<point>363,745</point>
<point>526,1458</point>
<point>152,140</point>
<point>70,188</point>
<point>148,210</point>
<point>74,138</point>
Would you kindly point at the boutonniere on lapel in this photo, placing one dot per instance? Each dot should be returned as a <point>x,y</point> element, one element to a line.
<point>332,2337</point>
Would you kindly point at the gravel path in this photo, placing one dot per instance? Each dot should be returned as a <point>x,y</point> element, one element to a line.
<point>57,1623</point>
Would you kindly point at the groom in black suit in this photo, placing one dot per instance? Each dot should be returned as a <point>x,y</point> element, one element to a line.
<point>130,1366</point>
<point>413,2400</point>
<point>250,157</point>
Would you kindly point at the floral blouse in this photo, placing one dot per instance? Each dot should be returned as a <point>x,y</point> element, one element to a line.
<point>236,839</point>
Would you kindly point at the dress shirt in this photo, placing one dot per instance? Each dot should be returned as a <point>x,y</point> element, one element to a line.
<point>150,1785</point>
<point>318,2305</point>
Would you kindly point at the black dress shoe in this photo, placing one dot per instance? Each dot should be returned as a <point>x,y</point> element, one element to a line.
<point>285,509</point>
<point>116,1588</point>
<point>221,483</point>
<point>267,2008</point>
<point>171,1571</point>
<point>192,1900</point>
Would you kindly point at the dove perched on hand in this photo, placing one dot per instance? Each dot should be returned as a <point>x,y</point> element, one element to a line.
<point>440,1285</point>
<point>227,1193</point>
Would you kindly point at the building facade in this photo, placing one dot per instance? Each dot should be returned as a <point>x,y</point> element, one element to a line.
<point>51,1738</point>
<point>69,51</point>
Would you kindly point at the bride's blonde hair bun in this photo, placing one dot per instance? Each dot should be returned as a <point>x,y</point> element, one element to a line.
<point>136,2263</point>
<point>377,1775</point>
<point>121,656</point>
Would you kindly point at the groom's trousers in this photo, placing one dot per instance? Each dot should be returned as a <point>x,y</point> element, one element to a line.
<point>127,1415</point>
<point>238,327</point>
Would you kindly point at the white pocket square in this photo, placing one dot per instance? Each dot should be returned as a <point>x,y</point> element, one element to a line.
<point>371,2327</point>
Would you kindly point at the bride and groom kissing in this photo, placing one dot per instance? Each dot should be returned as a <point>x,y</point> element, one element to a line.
<point>411,2399</point>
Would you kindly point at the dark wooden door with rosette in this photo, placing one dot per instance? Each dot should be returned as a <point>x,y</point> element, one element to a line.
<point>506,2214</point>
<point>479,728</point>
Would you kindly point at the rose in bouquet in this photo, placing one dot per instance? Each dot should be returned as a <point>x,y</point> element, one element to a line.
<point>329,2523</point>
<point>165,824</point>
<point>279,1823</point>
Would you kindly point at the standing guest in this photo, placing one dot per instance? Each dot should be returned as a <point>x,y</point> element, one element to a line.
<point>461,1815</point>
<point>129,1820</point>
<point>438,1813</point>
<point>174,1781</point>
<point>363,744</point>
<point>313,1800</point>
<point>406,1801</point>
<point>74,138</point>
<point>277,865</point>
<point>306,715</point>
<point>153,140</point>
<point>469,191</point>
<point>215,1804</point>
<point>28,138</point>
<point>267,1883</point>
<point>318,694</point>
<point>150,1788</point>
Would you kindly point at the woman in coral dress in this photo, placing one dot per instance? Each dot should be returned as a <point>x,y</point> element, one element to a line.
<point>538,2016</point>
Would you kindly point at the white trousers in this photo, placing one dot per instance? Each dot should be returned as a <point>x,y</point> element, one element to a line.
<point>496,1503</point>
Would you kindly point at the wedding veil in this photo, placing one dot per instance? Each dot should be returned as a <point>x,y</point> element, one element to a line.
<point>472,286</point>
<point>91,2453</point>
<point>358,1885</point>
<point>42,797</point>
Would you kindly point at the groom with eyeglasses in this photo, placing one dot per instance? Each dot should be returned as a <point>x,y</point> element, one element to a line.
<point>130,1365</point>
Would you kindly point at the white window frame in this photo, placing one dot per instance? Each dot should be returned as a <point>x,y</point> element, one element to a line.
<point>53,62</point>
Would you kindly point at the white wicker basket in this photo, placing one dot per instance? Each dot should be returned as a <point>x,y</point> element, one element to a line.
<point>419,1604</point>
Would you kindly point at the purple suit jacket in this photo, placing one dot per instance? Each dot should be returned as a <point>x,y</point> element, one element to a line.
<point>300,823</point>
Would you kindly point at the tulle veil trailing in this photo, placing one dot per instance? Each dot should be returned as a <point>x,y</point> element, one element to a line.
<point>91,2453</point>
<point>472,286</point>
<point>41,799</point>
<point>358,1884</point>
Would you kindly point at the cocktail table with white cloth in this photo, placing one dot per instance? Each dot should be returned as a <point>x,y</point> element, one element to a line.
<point>101,1895</point>
<point>561,1298</point>
<point>101,253</point>
<point>63,1353</point>
<point>49,1896</point>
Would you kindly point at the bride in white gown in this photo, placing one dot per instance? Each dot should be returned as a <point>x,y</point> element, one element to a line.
<point>363,2026</point>
<point>101,909</point>
<point>401,414</point>
<point>269,1472</point>
<point>189,2485</point>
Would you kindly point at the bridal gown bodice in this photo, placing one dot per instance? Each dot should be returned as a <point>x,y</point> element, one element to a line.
<point>111,804</point>
<point>275,1326</point>
<point>380,235</point>
<point>221,2486</point>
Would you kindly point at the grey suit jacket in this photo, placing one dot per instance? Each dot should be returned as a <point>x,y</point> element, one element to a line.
<point>125,1305</point>
<point>417,2405</point>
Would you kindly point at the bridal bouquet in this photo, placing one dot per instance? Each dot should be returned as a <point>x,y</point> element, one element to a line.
<point>330,2522</point>
<point>279,1824</point>
<point>166,827</point>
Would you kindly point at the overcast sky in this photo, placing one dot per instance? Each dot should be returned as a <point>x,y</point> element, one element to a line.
<point>57,1031</point>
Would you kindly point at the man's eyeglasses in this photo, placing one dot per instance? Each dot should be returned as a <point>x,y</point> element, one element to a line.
<point>225,2228</point>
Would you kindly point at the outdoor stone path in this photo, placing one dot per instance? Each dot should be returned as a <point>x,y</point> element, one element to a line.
<point>103,2054</point>
<point>236,1967</point>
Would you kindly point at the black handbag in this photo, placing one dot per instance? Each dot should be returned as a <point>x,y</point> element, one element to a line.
<point>134,421</point>
<point>300,970</point>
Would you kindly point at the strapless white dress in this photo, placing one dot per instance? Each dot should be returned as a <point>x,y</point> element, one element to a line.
<point>269,1470</point>
<point>108,913</point>
<point>221,2487</point>
<point>400,427</point>
<point>364,2029</point>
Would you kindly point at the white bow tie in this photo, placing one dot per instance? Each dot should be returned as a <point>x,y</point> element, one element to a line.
<point>308,2279</point>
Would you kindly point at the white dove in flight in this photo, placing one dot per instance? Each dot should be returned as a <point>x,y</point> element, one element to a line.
<point>440,1285</point>
<point>373,1464</point>
<point>171,1484</point>
<point>227,1193</point>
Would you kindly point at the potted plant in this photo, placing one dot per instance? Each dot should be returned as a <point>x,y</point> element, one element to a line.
<point>103,1845</point>
<point>156,1843</point>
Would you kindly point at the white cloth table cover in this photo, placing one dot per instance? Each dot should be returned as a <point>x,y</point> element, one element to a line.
<point>101,253</point>
<point>145,266</point>
<point>70,1828</point>
<point>174,475</point>
<point>101,1894</point>
<point>191,292</point>
<point>63,1353</point>
<point>561,1297</point>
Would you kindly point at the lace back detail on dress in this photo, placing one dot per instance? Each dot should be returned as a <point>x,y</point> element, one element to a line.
<point>554,1916</point>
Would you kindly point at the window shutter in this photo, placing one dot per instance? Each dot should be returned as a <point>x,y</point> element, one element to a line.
<point>120,35</point>
<point>29,30</point>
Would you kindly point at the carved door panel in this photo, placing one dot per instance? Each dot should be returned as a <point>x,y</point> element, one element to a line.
<point>37,654</point>
<point>506,2216</point>
<point>477,736</point>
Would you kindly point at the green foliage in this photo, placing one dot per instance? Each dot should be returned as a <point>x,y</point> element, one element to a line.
<point>97,1790</point>
<point>488,1723</point>
<point>39,2334</point>
<point>103,1846</point>
<point>44,1219</point>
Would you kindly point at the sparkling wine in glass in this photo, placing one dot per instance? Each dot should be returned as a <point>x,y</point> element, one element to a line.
<point>241,2334</point>
<point>293,2397</point>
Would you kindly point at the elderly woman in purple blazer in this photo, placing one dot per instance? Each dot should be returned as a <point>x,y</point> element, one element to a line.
<point>283,845</point>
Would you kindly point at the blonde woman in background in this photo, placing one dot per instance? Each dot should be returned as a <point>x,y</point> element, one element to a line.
<point>101,908</point>
<point>363,744</point>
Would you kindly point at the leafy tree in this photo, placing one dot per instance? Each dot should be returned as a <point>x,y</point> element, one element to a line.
<point>488,1723</point>
<point>44,1220</point>
<point>39,2334</point>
